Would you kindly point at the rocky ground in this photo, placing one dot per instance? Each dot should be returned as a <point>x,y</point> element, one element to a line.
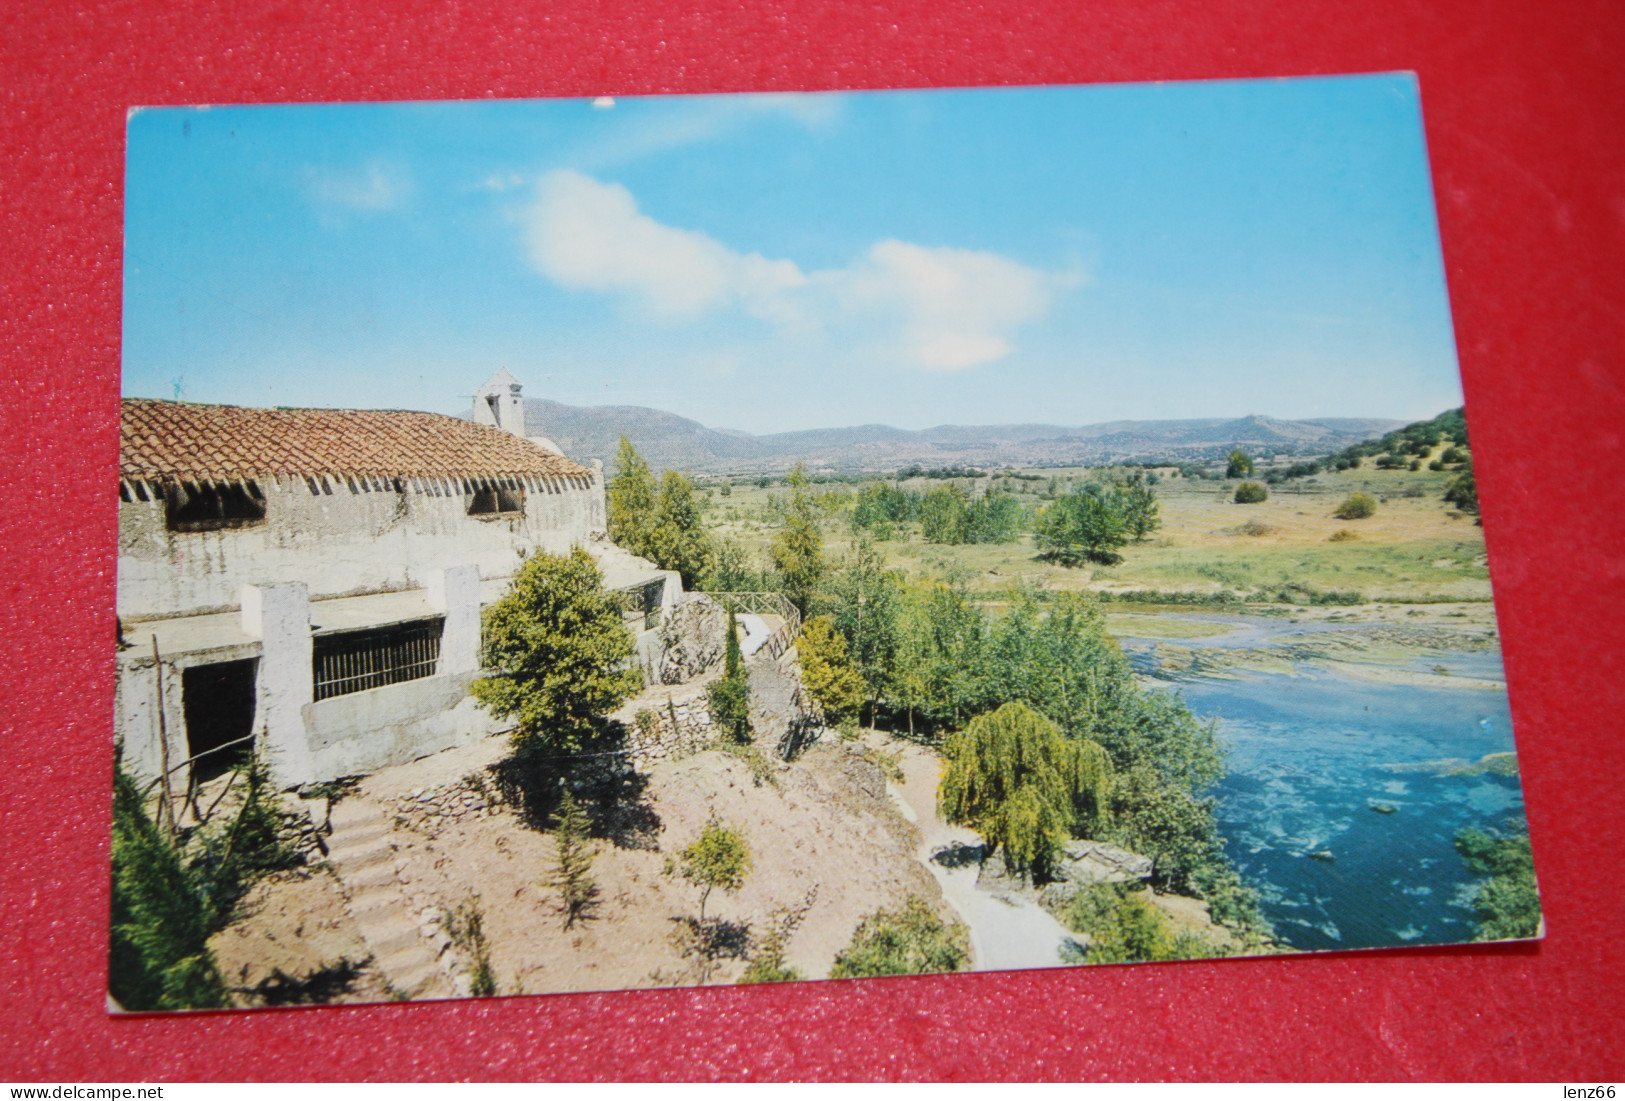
<point>825,838</point>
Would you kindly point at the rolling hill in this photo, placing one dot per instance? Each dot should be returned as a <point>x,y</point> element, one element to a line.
<point>668,441</point>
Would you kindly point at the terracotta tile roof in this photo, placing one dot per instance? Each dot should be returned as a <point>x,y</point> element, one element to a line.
<point>167,439</point>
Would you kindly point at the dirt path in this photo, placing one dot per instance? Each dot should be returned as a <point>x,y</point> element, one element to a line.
<point>1007,931</point>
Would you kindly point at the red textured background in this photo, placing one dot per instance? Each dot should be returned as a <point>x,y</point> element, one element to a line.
<point>1524,106</point>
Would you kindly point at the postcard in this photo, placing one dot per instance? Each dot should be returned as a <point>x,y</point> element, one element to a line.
<point>597,544</point>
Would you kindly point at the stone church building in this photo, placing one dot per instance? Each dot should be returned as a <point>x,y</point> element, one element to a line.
<point>308,582</point>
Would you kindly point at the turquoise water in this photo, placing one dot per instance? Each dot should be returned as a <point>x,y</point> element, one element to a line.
<point>1309,756</point>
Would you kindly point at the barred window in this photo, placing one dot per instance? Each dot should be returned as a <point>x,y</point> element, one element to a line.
<point>353,661</point>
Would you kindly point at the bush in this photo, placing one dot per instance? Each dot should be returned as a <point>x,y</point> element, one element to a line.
<point>556,617</point>
<point>719,857</point>
<point>1081,527</point>
<point>1123,926</point>
<point>1341,535</point>
<point>1507,904</point>
<point>578,892</point>
<point>159,953</point>
<point>728,699</point>
<point>1356,506</point>
<point>1463,490</point>
<point>1251,493</point>
<point>911,940</point>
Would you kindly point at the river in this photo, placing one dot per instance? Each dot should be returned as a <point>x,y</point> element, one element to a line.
<point>1335,805</point>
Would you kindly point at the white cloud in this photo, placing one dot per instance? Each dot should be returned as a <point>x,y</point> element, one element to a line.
<point>588,235</point>
<point>375,187</point>
<point>943,308</point>
<point>959,306</point>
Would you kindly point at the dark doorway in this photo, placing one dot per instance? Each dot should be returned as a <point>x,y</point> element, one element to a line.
<point>219,702</point>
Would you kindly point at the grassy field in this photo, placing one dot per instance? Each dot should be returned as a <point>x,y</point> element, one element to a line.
<point>1415,548</point>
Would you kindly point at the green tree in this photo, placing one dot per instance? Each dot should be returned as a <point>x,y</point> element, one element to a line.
<point>718,858</point>
<point>798,548</point>
<point>1462,491</point>
<point>945,515</point>
<point>828,673</point>
<point>728,698</point>
<point>994,517</point>
<point>1356,506</point>
<point>1508,902</point>
<point>1239,465</point>
<point>939,670</point>
<point>1136,502</point>
<point>678,540</point>
<point>159,954</point>
<point>573,857</point>
<point>865,599</point>
<point>1081,527</point>
<point>910,940</point>
<point>1013,778</point>
<point>631,501</point>
<point>557,652</point>
<point>730,570</point>
<point>1161,818</point>
<point>1251,493</point>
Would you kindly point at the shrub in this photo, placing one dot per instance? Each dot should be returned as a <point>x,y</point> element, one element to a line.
<point>911,940</point>
<point>719,857</point>
<point>767,963</point>
<point>1124,927</point>
<point>1341,535</point>
<point>573,850</point>
<point>1356,506</point>
<point>1251,493</point>
<point>728,699</point>
<point>1254,528</point>
<point>465,925</point>
<point>556,616</point>
<point>1507,904</point>
<point>159,953</point>
<point>1463,490</point>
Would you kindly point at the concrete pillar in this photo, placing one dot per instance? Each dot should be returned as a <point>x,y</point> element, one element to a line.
<point>279,616</point>
<point>455,593</point>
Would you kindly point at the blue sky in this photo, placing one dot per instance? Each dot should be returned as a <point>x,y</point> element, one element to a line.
<point>767,263</point>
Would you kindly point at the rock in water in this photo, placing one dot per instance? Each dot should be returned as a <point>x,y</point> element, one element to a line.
<point>693,635</point>
<point>1384,808</point>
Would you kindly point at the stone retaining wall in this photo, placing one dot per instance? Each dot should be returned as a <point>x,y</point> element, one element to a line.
<point>655,739</point>
<point>430,810</point>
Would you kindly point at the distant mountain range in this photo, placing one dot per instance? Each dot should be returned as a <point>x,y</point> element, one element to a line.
<point>671,442</point>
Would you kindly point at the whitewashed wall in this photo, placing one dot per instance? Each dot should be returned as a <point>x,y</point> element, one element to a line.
<point>341,542</point>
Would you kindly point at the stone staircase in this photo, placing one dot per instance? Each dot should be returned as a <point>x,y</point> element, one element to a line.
<point>359,850</point>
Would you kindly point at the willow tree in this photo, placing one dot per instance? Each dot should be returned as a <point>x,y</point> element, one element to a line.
<point>1014,778</point>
